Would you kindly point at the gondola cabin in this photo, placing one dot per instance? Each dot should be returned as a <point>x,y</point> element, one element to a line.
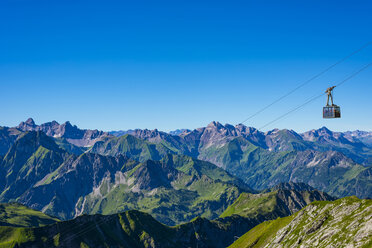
<point>331,112</point>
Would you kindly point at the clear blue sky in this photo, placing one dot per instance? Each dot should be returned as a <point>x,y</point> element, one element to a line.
<point>181,64</point>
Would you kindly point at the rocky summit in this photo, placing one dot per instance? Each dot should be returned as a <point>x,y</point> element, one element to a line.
<point>345,222</point>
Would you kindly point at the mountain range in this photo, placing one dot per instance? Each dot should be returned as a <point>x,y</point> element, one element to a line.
<point>72,134</point>
<point>329,161</point>
<point>335,162</point>
<point>189,188</point>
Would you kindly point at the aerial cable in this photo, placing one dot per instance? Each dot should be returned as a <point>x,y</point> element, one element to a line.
<point>316,97</point>
<point>293,110</point>
<point>84,230</point>
<point>195,233</point>
<point>354,74</point>
<point>308,81</point>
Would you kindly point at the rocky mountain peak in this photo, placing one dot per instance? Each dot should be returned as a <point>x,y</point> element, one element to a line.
<point>67,124</point>
<point>324,130</point>
<point>215,124</point>
<point>244,129</point>
<point>28,125</point>
<point>30,121</point>
<point>274,131</point>
<point>228,126</point>
<point>146,134</point>
<point>314,134</point>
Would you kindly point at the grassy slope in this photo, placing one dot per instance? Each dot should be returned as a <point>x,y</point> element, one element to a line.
<point>70,148</point>
<point>262,233</point>
<point>24,169</point>
<point>317,225</point>
<point>346,220</point>
<point>128,229</point>
<point>201,189</point>
<point>132,147</point>
<point>7,137</point>
<point>13,214</point>
<point>260,168</point>
<point>251,205</point>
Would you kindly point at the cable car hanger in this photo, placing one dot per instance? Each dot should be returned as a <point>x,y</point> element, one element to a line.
<point>331,111</point>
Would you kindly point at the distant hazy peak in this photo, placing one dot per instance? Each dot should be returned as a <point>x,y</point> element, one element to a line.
<point>76,136</point>
<point>179,131</point>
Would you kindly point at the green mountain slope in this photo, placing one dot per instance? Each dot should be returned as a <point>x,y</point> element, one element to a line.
<point>284,200</point>
<point>41,175</point>
<point>132,147</point>
<point>175,189</point>
<point>252,205</point>
<point>69,147</point>
<point>7,138</point>
<point>31,157</point>
<point>329,171</point>
<point>128,229</point>
<point>342,223</point>
<point>133,229</point>
<point>17,215</point>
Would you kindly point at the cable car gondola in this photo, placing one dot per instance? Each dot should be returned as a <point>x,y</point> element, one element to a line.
<point>331,111</point>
